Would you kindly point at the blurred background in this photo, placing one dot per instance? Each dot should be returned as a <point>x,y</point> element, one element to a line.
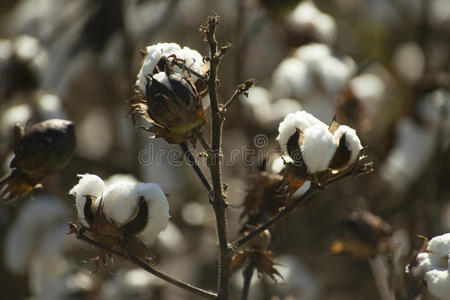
<point>381,66</point>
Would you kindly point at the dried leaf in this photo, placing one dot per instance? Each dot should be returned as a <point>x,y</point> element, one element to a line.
<point>265,196</point>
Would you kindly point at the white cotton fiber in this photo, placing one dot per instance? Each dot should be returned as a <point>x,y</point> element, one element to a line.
<point>192,59</point>
<point>300,120</point>
<point>436,265</point>
<point>120,205</point>
<point>87,185</point>
<point>318,148</point>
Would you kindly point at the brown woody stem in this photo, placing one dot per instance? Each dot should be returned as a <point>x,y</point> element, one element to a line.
<point>130,257</point>
<point>353,171</point>
<point>224,268</point>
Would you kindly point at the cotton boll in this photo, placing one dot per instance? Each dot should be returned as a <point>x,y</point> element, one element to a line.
<point>298,120</point>
<point>409,62</point>
<point>291,78</point>
<point>307,18</point>
<point>87,185</point>
<point>28,49</point>
<point>318,148</point>
<point>436,265</point>
<point>312,54</point>
<point>333,74</point>
<point>352,141</point>
<point>120,204</point>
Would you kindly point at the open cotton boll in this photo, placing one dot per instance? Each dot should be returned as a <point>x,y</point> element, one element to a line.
<point>87,185</point>
<point>333,74</point>
<point>318,148</point>
<point>291,78</point>
<point>306,17</point>
<point>312,54</point>
<point>300,120</point>
<point>352,141</point>
<point>120,204</point>
<point>436,264</point>
<point>192,58</point>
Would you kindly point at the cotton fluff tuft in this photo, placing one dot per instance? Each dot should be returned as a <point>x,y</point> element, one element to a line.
<point>291,78</point>
<point>436,264</point>
<point>318,148</point>
<point>120,205</point>
<point>352,141</point>
<point>300,120</point>
<point>192,58</point>
<point>306,17</point>
<point>87,185</point>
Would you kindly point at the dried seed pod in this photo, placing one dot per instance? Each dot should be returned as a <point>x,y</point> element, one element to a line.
<point>171,104</point>
<point>40,150</point>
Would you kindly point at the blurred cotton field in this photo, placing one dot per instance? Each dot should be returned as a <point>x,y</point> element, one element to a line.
<point>380,67</point>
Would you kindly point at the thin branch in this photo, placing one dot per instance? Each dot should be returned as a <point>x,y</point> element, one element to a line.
<point>240,89</point>
<point>247,274</point>
<point>283,212</point>
<point>224,268</point>
<point>353,171</point>
<point>183,66</point>
<point>199,135</point>
<point>191,159</point>
<point>130,257</point>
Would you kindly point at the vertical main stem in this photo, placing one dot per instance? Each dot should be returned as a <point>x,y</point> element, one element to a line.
<point>224,272</point>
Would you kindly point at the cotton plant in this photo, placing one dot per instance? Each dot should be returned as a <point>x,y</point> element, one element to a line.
<point>123,212</point>
<point>123,217</point>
